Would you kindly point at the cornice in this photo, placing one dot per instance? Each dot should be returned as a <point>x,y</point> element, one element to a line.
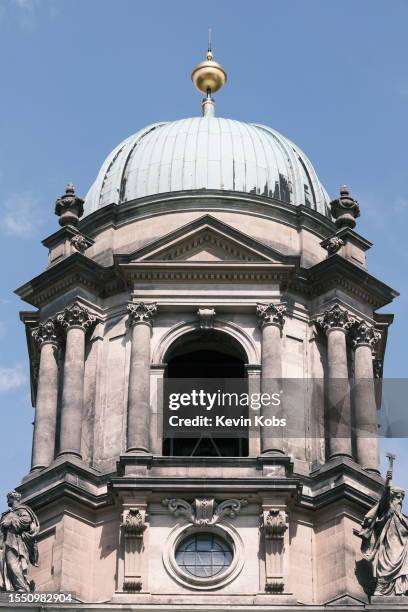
<point>75,270</point>
<point>77,481</point>
<point>116,215</point>
<point>79,270</point>
<point>337,272</point>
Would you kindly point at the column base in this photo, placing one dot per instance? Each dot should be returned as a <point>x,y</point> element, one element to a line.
<point>70,453</point>
<point>340,456</point>
<point>372,471</point>
<point>37,468</point>
<point>137,450</point>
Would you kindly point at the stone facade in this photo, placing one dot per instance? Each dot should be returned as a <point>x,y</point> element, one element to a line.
<point>287,290</point>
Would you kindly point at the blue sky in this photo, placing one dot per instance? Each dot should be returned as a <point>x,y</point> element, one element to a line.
<point>78,76</point>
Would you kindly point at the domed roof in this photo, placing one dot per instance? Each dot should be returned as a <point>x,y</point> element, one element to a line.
<point>205,153</point>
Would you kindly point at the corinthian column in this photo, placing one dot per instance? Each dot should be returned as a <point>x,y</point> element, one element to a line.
<point>47,396</point>
<point>336,323</point>
<point>365,338</point>
<point>271,320</point>
<point>76,320</point>
<point>138,430</point>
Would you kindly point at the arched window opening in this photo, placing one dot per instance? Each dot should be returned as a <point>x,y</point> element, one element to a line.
<point>207,355</point>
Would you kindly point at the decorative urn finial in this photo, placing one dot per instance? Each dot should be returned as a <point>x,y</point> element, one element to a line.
<point>69,207</point>
<point>345,209</point>
<point>208,77</point>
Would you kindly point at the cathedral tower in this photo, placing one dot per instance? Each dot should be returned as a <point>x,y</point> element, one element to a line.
<point>206,248</point>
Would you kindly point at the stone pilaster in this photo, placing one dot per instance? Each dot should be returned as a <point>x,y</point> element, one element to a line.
<point>75,320</point>
<point>138,428</point>
<point>271,318</point>
<point>365,339</point>
<point>133,527</point>
<point>47,339</point>
<point>336,323</point>
<point>274,526</point>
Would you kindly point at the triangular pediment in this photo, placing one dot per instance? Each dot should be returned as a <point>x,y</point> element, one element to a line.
<point>207,240</point>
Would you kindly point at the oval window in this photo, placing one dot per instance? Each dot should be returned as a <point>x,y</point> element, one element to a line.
<point>204,555</point>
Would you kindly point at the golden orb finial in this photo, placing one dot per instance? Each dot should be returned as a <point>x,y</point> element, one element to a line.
<point>209,76</point>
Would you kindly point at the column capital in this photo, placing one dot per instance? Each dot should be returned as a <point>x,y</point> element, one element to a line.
<point>46,333</point>
<point>271,314</point>
<point>335,318</point>
<point>140,312</point>
<point>364,334</point>
<point>76,316</point>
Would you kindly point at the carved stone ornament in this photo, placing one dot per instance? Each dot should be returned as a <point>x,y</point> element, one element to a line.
<point>140,312</point>
<point>79,243</point>
<point>333,245</point>
<point>132,585</point>
<point>271,314</point>
<point>204,511</point>
<point>19,529</point>
<point>335,318</point>
<point>134,522</point>
<point>46,333</point>
<point>206,318</point>
<point>345,209</point>
<point>76,316</point>
<point>384,540</point>
<point>275,523</point>
<point>69,207</point>
<point>365,334</point>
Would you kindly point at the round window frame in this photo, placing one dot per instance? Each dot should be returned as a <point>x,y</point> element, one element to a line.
<point>206,583</point>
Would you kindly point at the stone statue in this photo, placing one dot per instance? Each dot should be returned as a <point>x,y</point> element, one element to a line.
<point>19,527</point>
<point>384,533</point>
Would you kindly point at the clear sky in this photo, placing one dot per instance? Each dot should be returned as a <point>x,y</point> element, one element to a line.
<point>78,76</point>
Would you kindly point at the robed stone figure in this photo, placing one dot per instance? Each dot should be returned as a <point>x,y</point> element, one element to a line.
<point>384,543</point>
<point>19,527</point>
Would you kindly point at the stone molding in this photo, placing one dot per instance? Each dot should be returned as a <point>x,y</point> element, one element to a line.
<point>140,312</point>
<point>271,314</point>
<point>203,239</point>
<point>204,511</point>
<point>76,316</point>
<point>335,318</point>
<point>46,333</point>
<point>206,317</point>
<point>364,334</point>
<point>226,532</point>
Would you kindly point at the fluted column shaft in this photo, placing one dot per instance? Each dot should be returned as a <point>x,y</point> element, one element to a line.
<point>47,396</point>
<point>138,429</point>
<point>365,338</point>
<point>336,323</point>
<point>271,320</point>
<point>75,320</point>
